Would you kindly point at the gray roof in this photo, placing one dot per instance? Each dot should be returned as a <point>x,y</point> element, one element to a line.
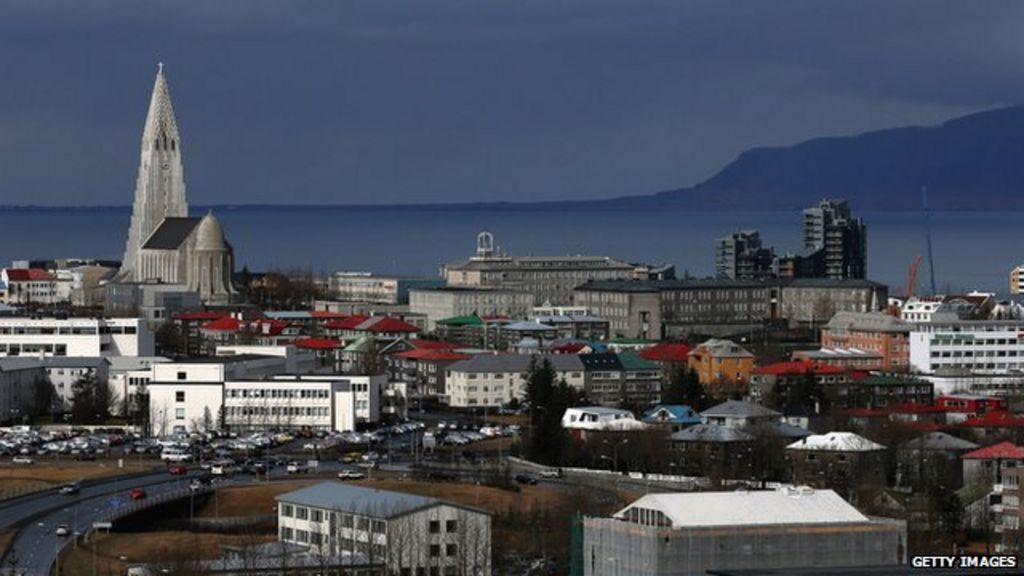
<point>357,499</point>
<point>787,430</point>
<point>74,361</point>
<point>12,363</point>
<point>737,408</point>
<point>721,283</point>
<point>528,326</point>
<point>516,363</point>
<point>171,233</point>
<point>939,441</point>
<point>710,433</point>
<point>868,321</point>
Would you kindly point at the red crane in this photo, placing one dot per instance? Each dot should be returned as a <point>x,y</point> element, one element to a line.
<point>912,280</point>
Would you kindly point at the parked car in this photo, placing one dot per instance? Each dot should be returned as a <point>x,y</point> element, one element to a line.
<point>526,479</point>
<point>137,494</point>
<point>551,473</point>
<point>177,470</point>
<point>351,475</point>
<point>63,530</point>
<point>22,460</point>
<point>70,489</point>
<point>297,468</point>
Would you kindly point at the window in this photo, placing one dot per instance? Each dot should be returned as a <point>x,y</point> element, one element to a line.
<point>302,513</point>
<point>451,549</point>
<point>451,526</point>
<point>179,396</point>
<point>435,526</point>
<point>287,511</point>
<point>318,516</point>
<point>179,413</point>
<point>182,375</point>
<point>435,550</point>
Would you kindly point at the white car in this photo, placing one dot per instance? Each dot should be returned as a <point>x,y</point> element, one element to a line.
<point>351,475</point>
<point>22,460</point>
<point>297,468</point>
<point>551,473</point>
<point>63,530</point>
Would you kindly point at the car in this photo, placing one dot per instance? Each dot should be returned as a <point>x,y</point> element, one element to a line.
<point>553,473</point>
<point>177,470</point>
<point>297,468</point>
<point>22,460</point>
<point>369,465</point>
<point>526,479</point>
<point>137,494</point>
<point>63,530</point>
<point>70,489</point>
<point>351,475</point>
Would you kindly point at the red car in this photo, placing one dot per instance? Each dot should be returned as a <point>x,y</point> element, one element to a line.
<point>177,470</point>
<point>137,494</point>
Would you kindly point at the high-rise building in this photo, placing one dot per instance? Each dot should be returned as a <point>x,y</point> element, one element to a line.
<point>1017,280</point>
<point>742,256</point>
<point>837,238</point>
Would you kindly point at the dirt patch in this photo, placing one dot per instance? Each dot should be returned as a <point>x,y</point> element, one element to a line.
<point>174,549</point>
<point>18,479</point>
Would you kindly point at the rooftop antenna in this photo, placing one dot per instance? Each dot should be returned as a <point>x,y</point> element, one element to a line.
<point>928,238</point>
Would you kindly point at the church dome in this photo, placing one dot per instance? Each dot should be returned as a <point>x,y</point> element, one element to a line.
<point>210,236</point>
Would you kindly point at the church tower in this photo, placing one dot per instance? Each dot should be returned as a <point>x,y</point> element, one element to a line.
<point>160,188</point>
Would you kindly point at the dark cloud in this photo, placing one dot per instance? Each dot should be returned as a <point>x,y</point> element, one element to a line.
<point>396,101</point>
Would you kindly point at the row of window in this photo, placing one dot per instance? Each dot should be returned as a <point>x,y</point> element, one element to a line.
<point>244,411</point>
<point>278,393</point>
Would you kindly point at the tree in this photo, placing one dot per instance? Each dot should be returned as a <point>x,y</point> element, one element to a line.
<point>169,340</point>
<point>92,400</point>
<point>684,387</point>
<point>548,400</point>
<point>45,397</point>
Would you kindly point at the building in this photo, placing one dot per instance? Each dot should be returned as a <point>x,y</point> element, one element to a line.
<point>198,397</point>
<point>411,534</point>
<point>880,391</point>
<point>950,346</point>
<point>739,415</point>
<point>672,417</point>
<point>371,288</point>
<point>712,450</point>
<point>493,380</point>
<point>830,229</point>
<point>741,256</point>
<point>843,461</point>
<point>688,534</point>
<point>452,302</point>
<point>20,336</point>
<point>155,302</point>
<point>29,286</point>
<point>1017,280</point>
<point>549,279</point>
<point>722,366</point>
<point>843,358</point>
<point>675,308</point>
<point>164,244</point>
<point>876,332</point>
<point>775,380</point>
<point>64,371</point>
<point>423,368</point>
<point>129,377</point>
<point>18,380</point>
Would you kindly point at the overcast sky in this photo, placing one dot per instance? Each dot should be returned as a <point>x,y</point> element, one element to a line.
<point>379,101</point>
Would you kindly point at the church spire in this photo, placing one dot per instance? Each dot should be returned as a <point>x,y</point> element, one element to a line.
<point>160,187</point>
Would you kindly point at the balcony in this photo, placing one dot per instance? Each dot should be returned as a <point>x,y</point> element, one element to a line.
<point>997,488</point>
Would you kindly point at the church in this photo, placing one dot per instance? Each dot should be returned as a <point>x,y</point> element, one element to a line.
<point>165,245</point>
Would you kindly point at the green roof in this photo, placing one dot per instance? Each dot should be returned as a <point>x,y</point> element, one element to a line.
<point>630,341</point>
<point>632,361</point>
<point>361,344</point>
<point>970,494</point>
<point>471,320</point>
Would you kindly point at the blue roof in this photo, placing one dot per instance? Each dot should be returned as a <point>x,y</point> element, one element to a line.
<point>288,314</point>
<point>678,413</point>
<point>352,498</point>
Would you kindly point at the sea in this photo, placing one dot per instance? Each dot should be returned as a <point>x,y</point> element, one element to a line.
<point>970,250</point>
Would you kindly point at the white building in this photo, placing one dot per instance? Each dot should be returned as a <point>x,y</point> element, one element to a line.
<point>441,303</point>
<point>64,371</point>
<point>600,418</point>
<point>197,396</point>
<point>410,534</point>
<point>29,286</point>
<point>493,380</point>
<point>129,377</point>
<point>74,337</point>
<point>949,345</point>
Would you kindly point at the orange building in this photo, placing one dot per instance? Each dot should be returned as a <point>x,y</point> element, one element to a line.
<point>877,332</point>
<point>722,366</point>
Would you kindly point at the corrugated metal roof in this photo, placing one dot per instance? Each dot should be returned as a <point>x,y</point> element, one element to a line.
<point>836,442</point>
<point>732,408</point>
<point>744,508</point>
<point>352,498</point>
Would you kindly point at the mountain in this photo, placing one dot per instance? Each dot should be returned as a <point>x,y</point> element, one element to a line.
<point>975,162</point>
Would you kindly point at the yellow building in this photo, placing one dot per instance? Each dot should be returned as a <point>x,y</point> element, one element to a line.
<point>722,366</point>
<point>1017,280</point>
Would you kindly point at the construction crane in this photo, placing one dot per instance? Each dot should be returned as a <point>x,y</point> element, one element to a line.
<point>912,277</point>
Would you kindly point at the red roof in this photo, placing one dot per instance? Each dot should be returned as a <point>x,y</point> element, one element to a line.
<point>911,408</point>
<point>797,367</point>
<point>346,323</point>
<point>264,327</point>
<point>199,316</point>
<point>666,352</point>
<point>223,324</point>
<point>429,354</point>
<point>432,344</point>
<point>317,343</point>
<point>1003,450</point>
<point>995,419</point>
<point>324,314</point>
<point>28,275</point>
<point>569,348</point>
<point>388,324</point>
<point>858,375</point>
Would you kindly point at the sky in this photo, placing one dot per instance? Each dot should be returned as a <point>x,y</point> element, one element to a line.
<point>413,101</point>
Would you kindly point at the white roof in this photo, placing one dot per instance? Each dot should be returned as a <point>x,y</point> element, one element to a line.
<point>836,442</point>
<point>744,508</point>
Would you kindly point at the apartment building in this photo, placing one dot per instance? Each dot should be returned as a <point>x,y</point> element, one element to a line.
<point>21,336</point>
<point>493,380</point>
<point>876,332</point>
<point>949,345</point>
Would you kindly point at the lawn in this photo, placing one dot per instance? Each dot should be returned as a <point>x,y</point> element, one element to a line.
<point>158,547</point>
<point>17,479</point>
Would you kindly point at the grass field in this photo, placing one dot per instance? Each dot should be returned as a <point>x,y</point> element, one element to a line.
<point>156,547</point>
<point>17,479</point>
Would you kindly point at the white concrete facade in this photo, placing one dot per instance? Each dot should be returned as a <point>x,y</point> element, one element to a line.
<point>946,346</point>
<point>75,337</point>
